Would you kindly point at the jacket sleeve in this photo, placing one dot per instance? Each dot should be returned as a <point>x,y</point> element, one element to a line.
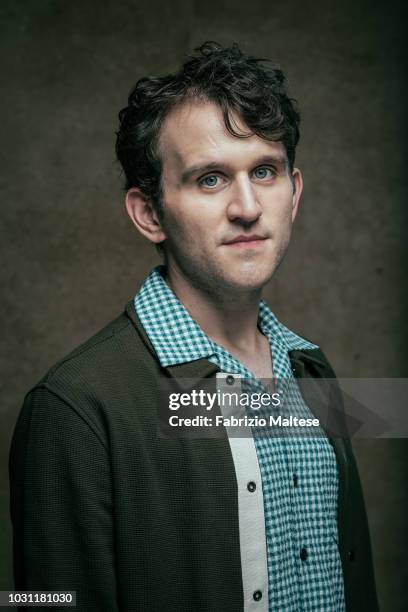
<point>61,504</point>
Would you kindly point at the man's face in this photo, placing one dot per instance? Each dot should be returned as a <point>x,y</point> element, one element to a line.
<point>228,202</point>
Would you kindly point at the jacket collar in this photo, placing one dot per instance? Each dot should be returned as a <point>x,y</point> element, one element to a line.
<point>305,360</point>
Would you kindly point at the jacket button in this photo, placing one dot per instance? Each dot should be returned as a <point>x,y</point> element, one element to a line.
<point>351,555</point>
<point>303,554</point>
<point>229,379</point>
<point>251,486</point>
<point>257,595</point>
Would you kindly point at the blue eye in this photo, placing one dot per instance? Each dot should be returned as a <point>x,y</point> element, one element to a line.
<point>263,173</point>
<point>210,181</point>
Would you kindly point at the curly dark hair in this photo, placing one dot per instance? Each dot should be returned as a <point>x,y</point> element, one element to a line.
<point>251,87</point>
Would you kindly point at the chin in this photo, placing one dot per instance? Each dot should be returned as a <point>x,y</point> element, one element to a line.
<point>221,277</point>
<point>250,280</point>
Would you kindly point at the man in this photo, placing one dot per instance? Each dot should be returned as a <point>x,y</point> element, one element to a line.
<point>101,504</point>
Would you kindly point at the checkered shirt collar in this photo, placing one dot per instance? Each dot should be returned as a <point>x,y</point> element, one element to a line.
<point>177,338</point>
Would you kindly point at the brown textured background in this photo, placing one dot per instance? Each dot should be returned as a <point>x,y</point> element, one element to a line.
<point>71,259</point>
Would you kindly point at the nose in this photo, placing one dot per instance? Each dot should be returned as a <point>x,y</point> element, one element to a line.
<point>243,204</point>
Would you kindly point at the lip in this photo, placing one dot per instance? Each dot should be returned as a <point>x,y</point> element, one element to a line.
<point>245,241</point>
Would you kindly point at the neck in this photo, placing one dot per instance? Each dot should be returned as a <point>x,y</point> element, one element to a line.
<point>228,318</point>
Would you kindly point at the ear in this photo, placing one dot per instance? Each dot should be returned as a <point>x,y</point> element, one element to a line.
<point>142,213</point>
<point>297,182</point>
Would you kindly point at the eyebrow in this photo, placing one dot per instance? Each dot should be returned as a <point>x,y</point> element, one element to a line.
<point>274,160</point>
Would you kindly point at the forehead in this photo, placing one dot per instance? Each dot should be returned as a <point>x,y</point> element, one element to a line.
<point>195,133</point>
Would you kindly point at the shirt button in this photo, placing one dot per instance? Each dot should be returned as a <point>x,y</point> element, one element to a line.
<point>229,379</point>
<point>295,480</point>
<point>251,486</point>
<point>303,554</point>
<point>257,595</point>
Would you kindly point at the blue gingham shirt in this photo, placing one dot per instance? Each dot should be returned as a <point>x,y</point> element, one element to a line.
<point>299,474</point>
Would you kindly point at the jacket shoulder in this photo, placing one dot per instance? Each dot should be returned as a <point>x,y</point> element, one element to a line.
<point>116,349</point>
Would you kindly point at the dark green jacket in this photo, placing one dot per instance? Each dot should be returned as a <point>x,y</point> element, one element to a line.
<point>131,521</point>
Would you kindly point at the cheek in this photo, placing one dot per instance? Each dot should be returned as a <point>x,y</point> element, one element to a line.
<point>182,232</point>
<point>191,225</point>
<point>280,216</point>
